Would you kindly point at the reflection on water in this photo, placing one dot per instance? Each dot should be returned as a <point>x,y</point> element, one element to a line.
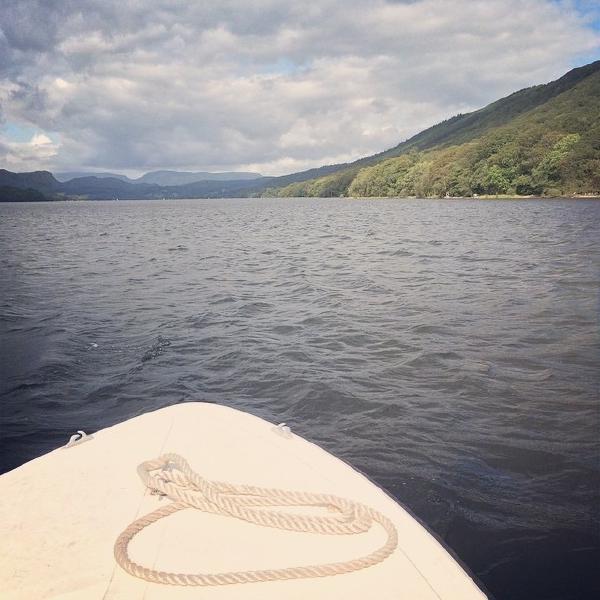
<point>448,349</point>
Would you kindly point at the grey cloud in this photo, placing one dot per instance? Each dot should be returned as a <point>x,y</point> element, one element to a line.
<point>30,97</point>
<point>31,25</point>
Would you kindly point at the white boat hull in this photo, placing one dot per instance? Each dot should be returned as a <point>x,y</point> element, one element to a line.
<point>60,515</point>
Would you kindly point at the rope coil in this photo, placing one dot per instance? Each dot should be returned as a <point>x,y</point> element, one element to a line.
<point>187,489</point>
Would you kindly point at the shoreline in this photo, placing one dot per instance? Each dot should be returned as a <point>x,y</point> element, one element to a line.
<point>482,197</point>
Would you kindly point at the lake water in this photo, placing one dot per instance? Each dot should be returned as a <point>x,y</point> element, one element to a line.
<point>448,349</point>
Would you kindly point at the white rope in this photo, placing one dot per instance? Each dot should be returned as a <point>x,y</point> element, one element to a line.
<point>187,489</point>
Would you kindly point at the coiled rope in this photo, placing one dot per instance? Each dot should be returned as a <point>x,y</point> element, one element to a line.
<point>187,489</point>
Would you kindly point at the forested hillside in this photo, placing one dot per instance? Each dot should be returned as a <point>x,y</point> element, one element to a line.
<point>553,148</point>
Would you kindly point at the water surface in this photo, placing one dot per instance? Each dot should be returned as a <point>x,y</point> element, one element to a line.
<point>448,349</point>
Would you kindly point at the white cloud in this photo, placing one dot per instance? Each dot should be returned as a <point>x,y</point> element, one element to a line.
<point>269,85</point>
<point>38,153</point>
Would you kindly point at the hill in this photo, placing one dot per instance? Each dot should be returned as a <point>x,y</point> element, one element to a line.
<point>540,140</point>
<point>42,181</point>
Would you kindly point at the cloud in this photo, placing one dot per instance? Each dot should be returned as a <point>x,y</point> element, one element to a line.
<point>268,85</point>
<point>40,151</point>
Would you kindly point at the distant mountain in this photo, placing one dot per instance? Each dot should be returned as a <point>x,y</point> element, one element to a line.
<point>185,177</point>
<point>542,140</point>
<point>163,177</point>
<point>62,177</point>
<point>109,188</point>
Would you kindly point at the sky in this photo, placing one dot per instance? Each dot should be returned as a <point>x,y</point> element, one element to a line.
<point>270,86</point>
